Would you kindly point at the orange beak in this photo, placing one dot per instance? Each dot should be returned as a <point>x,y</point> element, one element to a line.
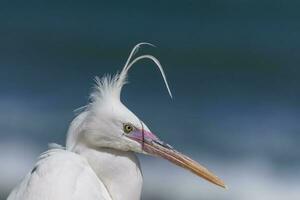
<point>153,146</point>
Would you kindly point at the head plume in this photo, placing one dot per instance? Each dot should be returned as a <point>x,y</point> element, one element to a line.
<point>107,91</point>
<point>111,86</point>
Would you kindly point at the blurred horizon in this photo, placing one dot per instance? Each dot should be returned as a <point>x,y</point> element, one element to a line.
<point>232,67</point>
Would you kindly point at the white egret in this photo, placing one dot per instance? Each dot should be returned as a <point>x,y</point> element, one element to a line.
<point>99,161</point>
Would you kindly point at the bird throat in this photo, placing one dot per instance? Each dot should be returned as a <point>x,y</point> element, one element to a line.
<point>118,170</point>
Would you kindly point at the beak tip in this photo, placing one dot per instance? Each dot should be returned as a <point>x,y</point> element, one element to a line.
<point>219,182</point>
<point>223,185</point>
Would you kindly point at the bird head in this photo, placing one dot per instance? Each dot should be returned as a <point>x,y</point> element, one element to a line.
<point>107,122</point>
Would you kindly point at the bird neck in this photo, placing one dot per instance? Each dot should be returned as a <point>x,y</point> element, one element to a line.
<point>119,171</point>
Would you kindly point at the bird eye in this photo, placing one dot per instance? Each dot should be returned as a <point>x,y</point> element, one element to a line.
<point>128,128</point>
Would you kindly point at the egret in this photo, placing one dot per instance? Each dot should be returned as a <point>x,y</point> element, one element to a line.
<point>99,161</point>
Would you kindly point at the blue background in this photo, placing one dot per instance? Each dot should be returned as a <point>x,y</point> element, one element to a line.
<point>233,68</point>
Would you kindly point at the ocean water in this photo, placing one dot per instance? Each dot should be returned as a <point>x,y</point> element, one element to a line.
<point>232,67</point>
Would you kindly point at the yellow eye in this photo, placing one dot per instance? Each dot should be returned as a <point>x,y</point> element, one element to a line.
<point>128,128</point>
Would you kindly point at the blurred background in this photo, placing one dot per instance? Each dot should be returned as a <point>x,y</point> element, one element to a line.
<point>233,67</point>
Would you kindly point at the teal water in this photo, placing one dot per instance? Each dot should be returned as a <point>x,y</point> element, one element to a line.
<point>232,66</point>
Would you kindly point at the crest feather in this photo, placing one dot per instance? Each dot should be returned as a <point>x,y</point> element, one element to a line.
<point>111,86</point>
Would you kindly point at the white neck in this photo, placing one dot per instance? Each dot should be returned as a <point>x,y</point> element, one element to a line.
<point>118,170</point>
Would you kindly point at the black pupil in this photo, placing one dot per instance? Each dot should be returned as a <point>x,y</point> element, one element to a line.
<point>128,128</point>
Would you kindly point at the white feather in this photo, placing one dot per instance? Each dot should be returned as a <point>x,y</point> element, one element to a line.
<point>61,175</point>
<point>111,86</point>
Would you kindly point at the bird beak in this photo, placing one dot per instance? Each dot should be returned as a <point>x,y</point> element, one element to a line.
<point>152,145</point>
